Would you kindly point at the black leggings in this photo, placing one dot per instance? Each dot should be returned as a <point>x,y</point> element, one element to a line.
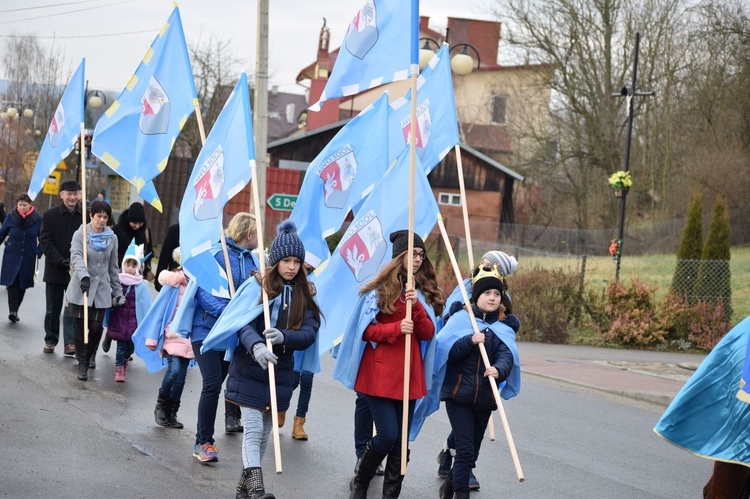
<point>95,335</point>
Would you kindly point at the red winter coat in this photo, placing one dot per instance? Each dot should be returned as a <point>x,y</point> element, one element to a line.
<point>381,371</point>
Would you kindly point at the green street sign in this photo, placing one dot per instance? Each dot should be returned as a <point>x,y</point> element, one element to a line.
<point>282,202</point>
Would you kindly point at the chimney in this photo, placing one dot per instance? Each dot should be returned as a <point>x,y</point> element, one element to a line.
<point>482,35</point>
<point>424,23</point>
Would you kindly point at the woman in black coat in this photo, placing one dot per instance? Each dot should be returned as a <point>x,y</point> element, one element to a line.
<point>21,227</point>
<point>130,225</point>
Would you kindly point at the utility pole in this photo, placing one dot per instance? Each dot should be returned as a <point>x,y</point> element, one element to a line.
<point>260,109</point>
<point>629,93</point>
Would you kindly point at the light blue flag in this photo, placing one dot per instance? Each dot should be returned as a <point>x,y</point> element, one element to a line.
<point>63,132</point>
<point>344,172</point>
<point>135,135</point>
<point>707,417</point>
<point>744,392</point>
<point>365,246</point>
<point>437,124</point>
<point>221,171</point>
<point>380,46</point>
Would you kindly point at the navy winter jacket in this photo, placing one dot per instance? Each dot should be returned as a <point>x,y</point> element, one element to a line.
<point>465,383</point>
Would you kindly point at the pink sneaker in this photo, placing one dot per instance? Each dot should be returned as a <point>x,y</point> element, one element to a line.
<point>120,373</point>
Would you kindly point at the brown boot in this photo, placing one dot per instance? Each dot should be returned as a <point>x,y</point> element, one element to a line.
<point>282,418</point>
<point>298,430</point>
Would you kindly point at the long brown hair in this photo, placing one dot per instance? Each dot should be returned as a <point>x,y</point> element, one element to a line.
<point>302,297</point>
<point>390,282</point>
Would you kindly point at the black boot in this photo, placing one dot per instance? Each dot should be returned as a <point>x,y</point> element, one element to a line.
<point>172,407</point>
<point>83,367</point>
<point>231,424</point>
<point>393,478</point>
<point>160,412</point>
<point>254,484</point>
<point>446,489</point>
<point>367,467</point>
<point>462,494</point>
<point>238,416</point>
<point>241,491</point>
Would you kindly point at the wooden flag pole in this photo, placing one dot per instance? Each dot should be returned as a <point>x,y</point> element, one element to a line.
<point>483,352</point>
<point>267,319</point>
<point>467,231</point>
<point>223,239</point>
<point>409,271</point>
<point>81,150</point>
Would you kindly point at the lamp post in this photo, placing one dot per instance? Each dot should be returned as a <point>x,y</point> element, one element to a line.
<point>461,64</point>
<point>629,93</point>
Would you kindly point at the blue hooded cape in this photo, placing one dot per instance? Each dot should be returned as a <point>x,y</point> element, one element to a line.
<point>351,348</point>
<point>152,327</point>
<point>707,417</point>
<point>182,323</point>
<point>244,307</point>
<point>457,327</point>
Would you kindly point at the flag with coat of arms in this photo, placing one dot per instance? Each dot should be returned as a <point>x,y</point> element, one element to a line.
<point>135,135</point>
<point>223,169</point>
<point>64,130</point>
<point>344,172</point>
<point>381,46</point>
<point>437,124</point>
<point>365,247</point>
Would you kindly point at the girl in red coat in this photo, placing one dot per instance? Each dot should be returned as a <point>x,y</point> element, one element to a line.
<point>381,371</point>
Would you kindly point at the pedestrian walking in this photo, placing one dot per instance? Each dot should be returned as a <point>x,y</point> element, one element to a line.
<point>99,278</point>
<point>132,225</point>
<point>175,349</point>
<point>123,320</point>
<point>380,321</point>
<point>58,226</point>
<point>241,240</point>
<point>468,396</point>
<point>20,231</point>
<point>166,258</point>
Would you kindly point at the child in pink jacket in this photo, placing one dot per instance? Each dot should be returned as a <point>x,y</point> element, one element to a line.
<point>178,352</point>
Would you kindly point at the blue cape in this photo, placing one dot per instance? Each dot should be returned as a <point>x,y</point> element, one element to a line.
<point>242,309</point>
<point>457,327</point>
<point>351,348</point>
<point>152,327</point>
<point>707,417</point>
<point>182,323</point>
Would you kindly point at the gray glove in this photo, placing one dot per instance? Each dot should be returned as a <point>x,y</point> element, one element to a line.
<point>119,301</point>
<point>263,355</point>
<point>273,334</point>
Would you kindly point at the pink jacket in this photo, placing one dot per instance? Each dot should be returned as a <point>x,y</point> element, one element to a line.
<point>174,344</point>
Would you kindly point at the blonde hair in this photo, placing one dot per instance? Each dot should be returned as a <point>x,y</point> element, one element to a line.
<point>241,225</point>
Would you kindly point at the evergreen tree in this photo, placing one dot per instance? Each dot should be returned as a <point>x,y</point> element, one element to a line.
<point>714,277</point>
<point>691,248</point>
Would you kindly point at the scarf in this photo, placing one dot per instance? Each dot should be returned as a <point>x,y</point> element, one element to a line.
<point>99,241</point>
<point>24,215</point>
<point>130,280</point>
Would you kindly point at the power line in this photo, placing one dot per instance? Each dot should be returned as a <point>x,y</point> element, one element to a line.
<point>46,6</point>
<point>66,12</point>
<point>103,35</point>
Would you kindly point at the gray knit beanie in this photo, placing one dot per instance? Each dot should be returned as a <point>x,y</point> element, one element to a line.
<point>287,243</point>
<point>505,263</point>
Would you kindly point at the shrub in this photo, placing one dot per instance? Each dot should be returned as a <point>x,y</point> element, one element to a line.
<point>708,325</point>
<point>545,301</point>
<point>691,247</point>
<point>633,314</point>
<point>714,277</point>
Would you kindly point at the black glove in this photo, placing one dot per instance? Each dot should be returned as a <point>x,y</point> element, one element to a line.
<point>85,284</point>
<point>119,301</point>
<point>65,264</point>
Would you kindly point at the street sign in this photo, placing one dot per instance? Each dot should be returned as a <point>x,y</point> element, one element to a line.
<point>282,202</point>
<point>52,184</point>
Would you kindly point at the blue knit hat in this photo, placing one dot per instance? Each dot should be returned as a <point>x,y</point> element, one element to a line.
<point>287,243</point>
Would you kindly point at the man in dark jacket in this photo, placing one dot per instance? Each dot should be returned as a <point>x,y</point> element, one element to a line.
<point>132,225</point>
<point>58,226</point>
<point>166,262</point>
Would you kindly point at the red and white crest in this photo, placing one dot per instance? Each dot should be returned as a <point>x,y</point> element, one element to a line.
<point>208,183</point>
<point>424,124</point>
<point>58,122</point>
<point>338,171</point>
<point>154,109</point>
<point>363,246</point>
<point>363,31</point>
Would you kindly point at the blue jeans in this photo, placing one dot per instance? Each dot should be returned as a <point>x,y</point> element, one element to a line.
<point>174,378</point>
<point>468,426</point>
<point>388,415</point>
<point>124,350</point>
<point>255,437</point>
<point>305,382</point>
<point>214,370</point>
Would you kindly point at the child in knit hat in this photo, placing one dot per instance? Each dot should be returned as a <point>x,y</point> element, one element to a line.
<point>295,319</point>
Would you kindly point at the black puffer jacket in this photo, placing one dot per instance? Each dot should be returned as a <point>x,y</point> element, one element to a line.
<point>465,383</point>
<point>125,234</point>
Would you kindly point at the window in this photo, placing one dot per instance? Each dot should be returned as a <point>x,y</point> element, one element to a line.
<point>449,199</point>
<point>499,108</point>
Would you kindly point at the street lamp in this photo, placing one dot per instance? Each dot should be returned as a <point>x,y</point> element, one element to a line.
<point>461,64</point>
<point>96,98</point>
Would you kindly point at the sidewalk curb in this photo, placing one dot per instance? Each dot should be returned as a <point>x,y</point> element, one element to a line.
<point>661,400</point>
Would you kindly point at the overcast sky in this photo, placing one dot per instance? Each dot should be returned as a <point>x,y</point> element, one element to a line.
<point>111,60</point>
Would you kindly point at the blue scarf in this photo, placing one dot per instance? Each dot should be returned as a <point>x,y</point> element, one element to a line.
<point>99,241</point>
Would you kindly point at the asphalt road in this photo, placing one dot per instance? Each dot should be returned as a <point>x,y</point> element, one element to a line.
<point>66,438</point>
